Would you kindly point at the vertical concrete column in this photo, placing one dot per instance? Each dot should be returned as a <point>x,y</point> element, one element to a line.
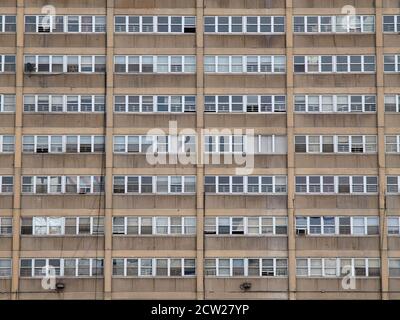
<point>290,156</point>
<point>200,210</point>
<point>18,150</point>
<point>109,128</point>
<point>380,93</point>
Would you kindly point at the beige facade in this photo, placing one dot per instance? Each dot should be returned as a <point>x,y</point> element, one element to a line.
<point>199,204</point>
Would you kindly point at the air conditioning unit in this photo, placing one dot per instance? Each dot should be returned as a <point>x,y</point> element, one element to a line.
<point>30,67</point>
<point>245,286</point>
<point>301,232</point>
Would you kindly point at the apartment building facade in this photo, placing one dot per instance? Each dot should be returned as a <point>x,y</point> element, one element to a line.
<point>122,128</point>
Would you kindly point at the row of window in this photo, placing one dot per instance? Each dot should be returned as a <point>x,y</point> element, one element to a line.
<point>334,24</point>
<point>338,267</point>
<point>212,24</point>
<point>217,267</point>
<point>331,225</point>
<point>67,24</point>
<point>155,24</point>
<point>154,267</point>
<point>129,103</point>
<point>62,64</point>
<point>187,184</point>
<point>258,144</point>
<point>335,103</point>
<point>246,267</point>
<point>336,144</point>
<point>67,267</point>
<point>336,184</point>
<point>64,103</point>
<point>216,103</point>
<point>154,184</point>
<point>62,184</point>
<point>244,24</point>
<point>334,64</point>
<point>154,225</point>
<point>61,144</point>
<point>245,184</point>
<point>54,226</point>
<point>212,64</point>
<point>155,64</point>
<point>223,225</point>
<point>245,225</point>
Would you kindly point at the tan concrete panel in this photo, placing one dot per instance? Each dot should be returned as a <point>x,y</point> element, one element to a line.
<point>261,288</point>
<point>45,243</point>
<point>6,202</point>
<point>244,81</point>
<point>156,202</point>
<point>337,121</point>
<point>245,202</point>
<point>7,80</point>
<point>82,120</point>
<point>336,202</point>
<point>62,201</point>
<point>336,161</point>
<point>273,121</point>
<point>328,243</point>
<point>334,80</point>
<point>154,80</point>
<point>6,160</point>
<point>133,121</point>
<point>151,242</point>
<point>358,42</point>
<point>65,40</point>
<point>244,41</point>
<point>239,242</point>
<point>65,80</point>
<point>136,41</point>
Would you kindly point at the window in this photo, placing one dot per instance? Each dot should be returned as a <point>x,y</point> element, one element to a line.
<point>391,24</point>
<point>61,64</point>
<point>7,63</point>
<point>391,63</point>
<point>6,144</point>
<point>393,225</point>
<point>5,268</point>
<point>394,265</point>
<point>392,184</point>
<point>5,226</point>
<point>6,184</point>
<point>7,103</point>
<point>7,23</point>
